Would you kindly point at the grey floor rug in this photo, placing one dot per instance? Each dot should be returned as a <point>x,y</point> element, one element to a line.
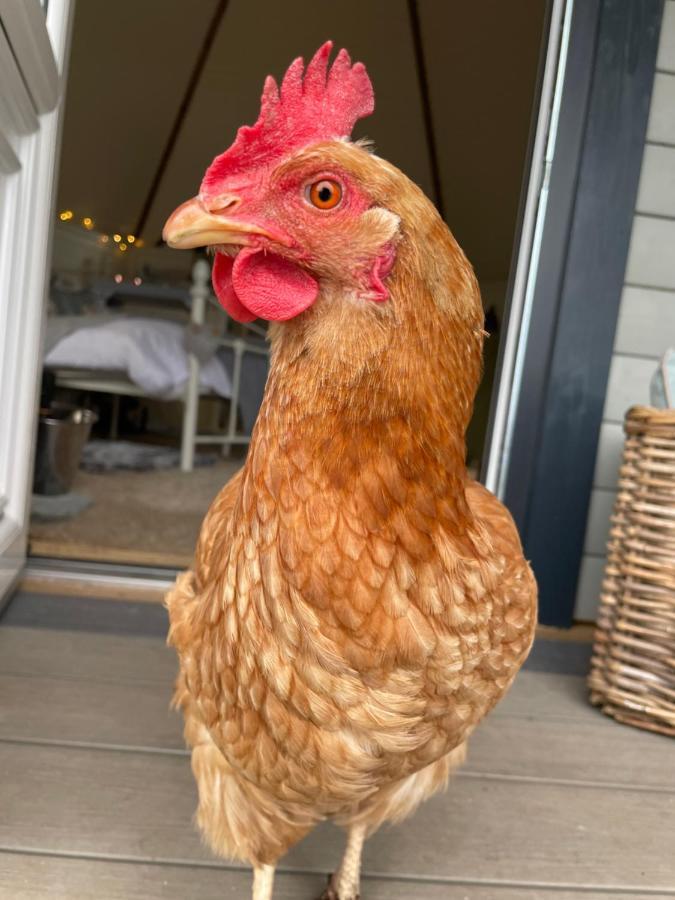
<point>61,506</point>
<point>107,456</point>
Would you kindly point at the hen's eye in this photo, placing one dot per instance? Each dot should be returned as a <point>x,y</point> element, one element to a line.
<point>324,194</point>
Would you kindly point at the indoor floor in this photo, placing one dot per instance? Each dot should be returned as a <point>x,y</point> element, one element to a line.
<point>152,518</point>
<point>555,802</point>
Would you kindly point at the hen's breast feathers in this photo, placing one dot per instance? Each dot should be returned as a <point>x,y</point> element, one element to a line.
<point>334,640</point>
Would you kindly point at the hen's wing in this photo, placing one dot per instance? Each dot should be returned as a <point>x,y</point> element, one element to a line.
<point>496,517</point>
<point>182,601</point>
<point>514,591</point>
<point>216,528</point>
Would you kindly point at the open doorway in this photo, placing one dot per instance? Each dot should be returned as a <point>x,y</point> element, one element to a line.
<point>155,91</point>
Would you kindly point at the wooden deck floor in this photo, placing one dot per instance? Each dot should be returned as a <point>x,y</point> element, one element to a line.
<point>96,798</point>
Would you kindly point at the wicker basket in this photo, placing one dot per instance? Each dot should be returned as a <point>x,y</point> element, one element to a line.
<point>633,667</point>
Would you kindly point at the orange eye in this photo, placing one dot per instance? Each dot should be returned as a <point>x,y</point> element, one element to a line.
<point>324,194</point>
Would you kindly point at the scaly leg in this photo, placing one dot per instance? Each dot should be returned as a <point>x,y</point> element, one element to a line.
<point>263,881</point>
<point>344,885</point>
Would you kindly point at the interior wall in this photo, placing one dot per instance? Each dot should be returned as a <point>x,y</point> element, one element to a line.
<point>117,122</point>
<point>482,59</point>
<point>131,63</point>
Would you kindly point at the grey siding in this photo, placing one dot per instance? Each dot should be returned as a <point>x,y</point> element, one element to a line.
<point>646,326</point>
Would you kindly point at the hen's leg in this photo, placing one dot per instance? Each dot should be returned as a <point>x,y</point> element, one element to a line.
<point>263,881</point>
<point>344,885</point>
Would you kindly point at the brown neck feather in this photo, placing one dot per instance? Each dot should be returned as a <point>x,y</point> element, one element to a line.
<point>351,379</point>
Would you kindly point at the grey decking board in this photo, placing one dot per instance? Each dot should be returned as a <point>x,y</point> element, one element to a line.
<point>124,617</point>
<point>600,751</point>
<point>89,614</point>
<point>563,657</point>
<point>137,659</point>
<point>79,655</point>
<point>42,709</point>
<point>106,712</point>
<point>33,877</point>
<point>140,806</point>
<point>117,685</point>
<point>545,695</point>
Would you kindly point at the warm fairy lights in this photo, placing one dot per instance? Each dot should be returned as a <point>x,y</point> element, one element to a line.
<point>137,281</point>
<point>117,240</point>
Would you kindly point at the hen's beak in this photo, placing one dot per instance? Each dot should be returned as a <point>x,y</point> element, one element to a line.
<point>193,225</point>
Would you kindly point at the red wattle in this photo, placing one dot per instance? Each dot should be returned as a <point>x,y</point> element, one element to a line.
<point>221,278</point>
<point>272,287</point>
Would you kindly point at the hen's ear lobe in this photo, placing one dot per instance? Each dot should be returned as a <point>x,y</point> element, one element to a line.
<point>381,268</point>
<point>379,235</point>
<point>383,225</point>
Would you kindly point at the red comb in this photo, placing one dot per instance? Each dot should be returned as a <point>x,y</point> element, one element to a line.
<point>321,106</point>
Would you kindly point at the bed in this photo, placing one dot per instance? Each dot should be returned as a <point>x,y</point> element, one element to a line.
<point>161,356</point>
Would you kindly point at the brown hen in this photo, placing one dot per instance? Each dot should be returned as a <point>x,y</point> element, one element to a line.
<point>357,603</point>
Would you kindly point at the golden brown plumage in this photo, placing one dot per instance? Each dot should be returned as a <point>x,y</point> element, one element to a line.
<point>357,604</point>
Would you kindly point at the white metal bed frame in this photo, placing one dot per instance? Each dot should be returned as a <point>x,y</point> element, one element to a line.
<point>200,292</point>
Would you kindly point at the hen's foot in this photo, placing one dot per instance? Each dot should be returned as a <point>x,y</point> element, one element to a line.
<point>331,894</point>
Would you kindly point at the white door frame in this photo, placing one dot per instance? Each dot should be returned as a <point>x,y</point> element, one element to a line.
<point>498,449</point>
<point>26,212</point>
<point>26,199</point>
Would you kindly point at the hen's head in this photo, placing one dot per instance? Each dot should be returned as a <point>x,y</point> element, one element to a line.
<point>313,230</point>
<point>293,209</point>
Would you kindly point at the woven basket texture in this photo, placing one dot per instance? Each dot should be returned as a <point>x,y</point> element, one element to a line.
<point>633,666</point>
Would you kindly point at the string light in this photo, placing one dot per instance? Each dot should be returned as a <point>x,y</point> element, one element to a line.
<point>119,278</point>
<point>66,215</point>
<point>138,281</point>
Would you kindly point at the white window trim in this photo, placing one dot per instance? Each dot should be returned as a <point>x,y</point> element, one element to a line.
<point>26,212</point>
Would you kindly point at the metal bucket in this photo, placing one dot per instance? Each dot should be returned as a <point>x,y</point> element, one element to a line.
<point>62,433</point>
